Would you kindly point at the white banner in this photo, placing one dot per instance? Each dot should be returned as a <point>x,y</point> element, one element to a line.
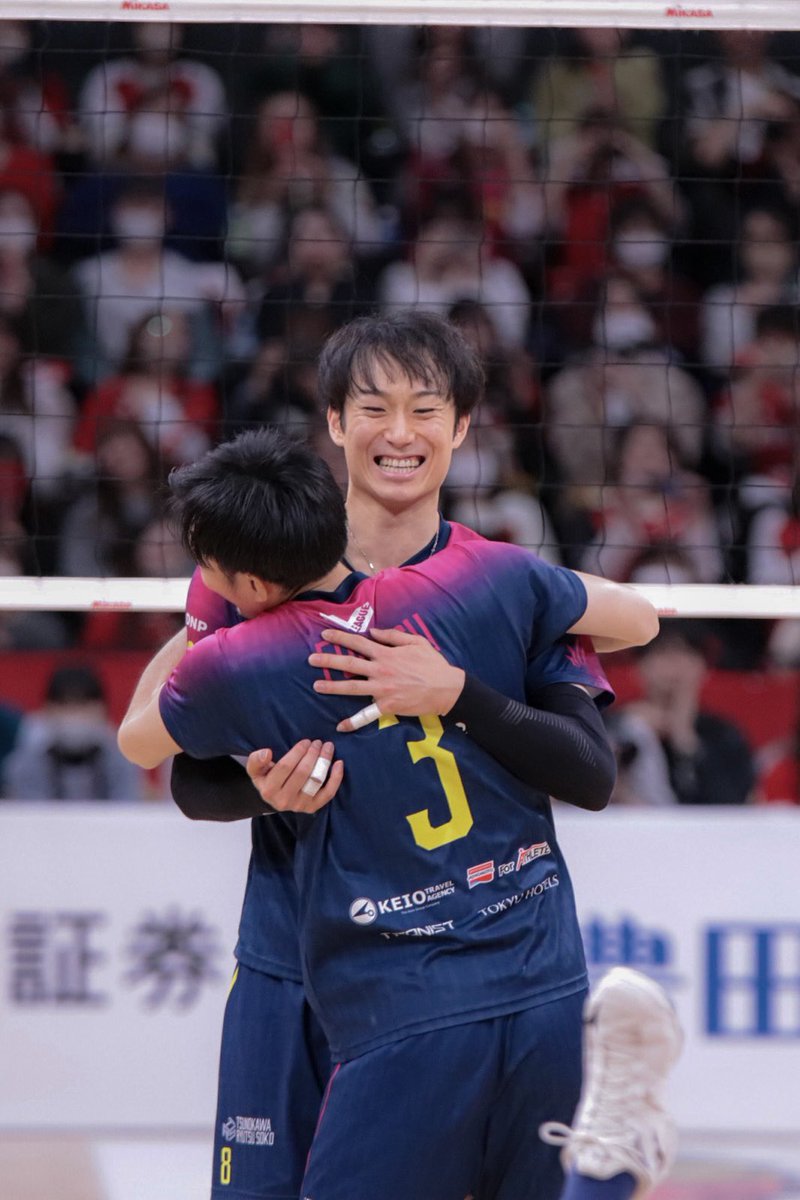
<point>118,925</point>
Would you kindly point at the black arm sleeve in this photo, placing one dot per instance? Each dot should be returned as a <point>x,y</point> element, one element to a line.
<point>559,746</point>
<point>214,789</point>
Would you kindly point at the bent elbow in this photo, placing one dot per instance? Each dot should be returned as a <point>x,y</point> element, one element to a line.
<point>646,624</point>
<point>132,748</point>
<point>597,788</point>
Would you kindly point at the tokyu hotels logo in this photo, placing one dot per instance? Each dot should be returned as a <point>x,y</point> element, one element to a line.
<point>363,910</point>
<point>249,1131</point>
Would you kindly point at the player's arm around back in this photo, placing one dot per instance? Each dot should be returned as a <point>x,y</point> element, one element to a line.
<point>616,615</point>
<point>142,735</point>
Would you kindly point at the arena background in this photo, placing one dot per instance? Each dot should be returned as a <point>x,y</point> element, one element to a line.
<point>613,216</point>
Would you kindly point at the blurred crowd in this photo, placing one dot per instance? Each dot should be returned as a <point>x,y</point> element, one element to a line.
<point>612,217</point>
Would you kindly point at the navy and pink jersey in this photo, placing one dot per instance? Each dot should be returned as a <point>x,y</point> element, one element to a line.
<point>269,938</point>
<point>431,890</point>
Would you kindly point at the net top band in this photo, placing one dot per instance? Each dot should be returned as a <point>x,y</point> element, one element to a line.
<point>721,14</point>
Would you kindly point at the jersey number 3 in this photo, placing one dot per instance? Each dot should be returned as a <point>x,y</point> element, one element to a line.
<point>426,835</point>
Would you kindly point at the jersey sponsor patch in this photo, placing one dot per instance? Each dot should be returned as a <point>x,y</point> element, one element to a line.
<point>481,873</point>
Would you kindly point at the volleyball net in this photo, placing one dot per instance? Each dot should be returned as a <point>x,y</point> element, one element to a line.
<point>603,196</point>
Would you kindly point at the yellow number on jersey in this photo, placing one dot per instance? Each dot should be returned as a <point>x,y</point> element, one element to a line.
<point>426,835</point>
<point>225,1165</point>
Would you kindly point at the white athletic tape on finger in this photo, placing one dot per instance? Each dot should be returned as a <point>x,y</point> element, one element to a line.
<point>365,716</point>
<point>319,773</point>
<point>320,769</point>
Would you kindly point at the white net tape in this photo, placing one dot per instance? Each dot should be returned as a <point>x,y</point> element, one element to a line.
<point>168,595</point>
<point>715,14</point>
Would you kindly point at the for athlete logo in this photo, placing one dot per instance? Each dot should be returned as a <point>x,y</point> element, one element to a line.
<point>363,911</point>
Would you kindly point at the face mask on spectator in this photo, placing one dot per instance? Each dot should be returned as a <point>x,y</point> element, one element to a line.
<point>623,329</point>
<point>156,135</point>
<point>17,234</point>
<point>138,224</point>
<point>641,249</point>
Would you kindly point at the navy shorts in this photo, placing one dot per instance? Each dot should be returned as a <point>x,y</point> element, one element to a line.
<point>452,1114</point>
<point>274,1064</point>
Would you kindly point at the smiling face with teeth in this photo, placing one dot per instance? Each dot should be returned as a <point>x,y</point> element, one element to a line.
<point>398,434</point>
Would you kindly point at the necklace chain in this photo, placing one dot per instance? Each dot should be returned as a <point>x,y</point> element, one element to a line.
<point>371,565</point>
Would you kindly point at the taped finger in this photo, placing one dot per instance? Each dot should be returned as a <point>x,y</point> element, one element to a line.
<point>365,716</point>
<point>317,776</point>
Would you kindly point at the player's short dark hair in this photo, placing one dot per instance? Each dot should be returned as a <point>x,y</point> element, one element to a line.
<point>424,346</point>
<point>263,504</point>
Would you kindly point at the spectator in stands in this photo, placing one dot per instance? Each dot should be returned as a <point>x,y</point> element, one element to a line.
<point>653,501</point>
<point>181,98</point>
<point>730,103</point>
<point>450,262</point>
<point>118,500</point>
<point>494,55</point>
<point>38,412</point>
<point>755,417</point>
<point>34,95</point>
<point>27,170</point>
<point>493,166</point>
<point>641,252</point>
<point>27,629</point>
<point>155,553</point>
<point>314,288</point>
<point>35,294</point>
<point>177,414</point>
<point>608,70</point>
<point>590,173</point>
<point>273,390</point>
<point>159,148</point>
<point>67,750</point>
<point>289,167</point>
<point>483,491</point>
<point>671,739</point>
<point>782,165</point>
<point>122,286</point>
<point>10,719</point>
<point>768,275</point>
<point>773,549</point>
<point>624,378</point>
<point>434,101</point>
<point>327,63</point>
<point>512,393</point>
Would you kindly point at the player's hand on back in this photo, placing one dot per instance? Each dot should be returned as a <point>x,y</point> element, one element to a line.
<point>304,780</point>
<point>402,672</point>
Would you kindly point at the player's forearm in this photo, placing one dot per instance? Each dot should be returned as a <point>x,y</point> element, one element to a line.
<point>616,615</point>
<point>138,736</point>
<point>559,746</point>
<point>214,789</point>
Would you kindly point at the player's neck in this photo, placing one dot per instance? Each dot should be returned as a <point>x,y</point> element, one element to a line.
<point>380,538</point>
<point>329,582</point>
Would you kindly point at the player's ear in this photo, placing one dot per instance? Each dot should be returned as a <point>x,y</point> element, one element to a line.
<point>462,425</point>
<point>262,592</point>
<point>336,426</point>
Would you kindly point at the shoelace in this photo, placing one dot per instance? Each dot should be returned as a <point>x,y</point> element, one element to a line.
<point>619,1082</point>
